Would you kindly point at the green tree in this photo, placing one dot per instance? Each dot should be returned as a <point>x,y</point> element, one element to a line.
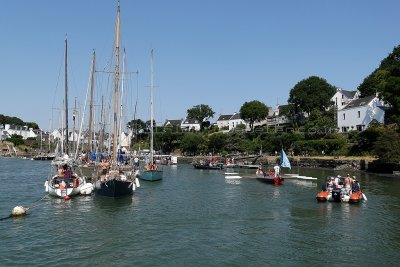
<point>216,142</point>
<point>312,93</point>
<point>253,111</point>
<point>193,143</point>
<point>322,121</point>
<point>202,113</point>
<point>16,139</point>
<point>385,80</point>
<point>387,147</point>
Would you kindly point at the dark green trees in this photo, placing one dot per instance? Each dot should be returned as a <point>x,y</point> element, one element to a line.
<point>253,111</point>
<point>311,93</point>
<point>202,113</point>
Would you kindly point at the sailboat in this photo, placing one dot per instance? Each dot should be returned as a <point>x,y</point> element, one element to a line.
<point>274,177</point>
<point>66,183</point>
<point>151,171</point>
<point>113,180</point>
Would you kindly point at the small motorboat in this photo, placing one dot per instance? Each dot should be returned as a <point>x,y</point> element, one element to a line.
<point>335,190</point>
<point>268,178</point>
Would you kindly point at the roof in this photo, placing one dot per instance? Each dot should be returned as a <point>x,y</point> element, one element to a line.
<point>173,122</point>
<point>349,94</point>
<point>359,102</point>
<point>236,116</point>
<point>224,117</point>
<point>190,121</point>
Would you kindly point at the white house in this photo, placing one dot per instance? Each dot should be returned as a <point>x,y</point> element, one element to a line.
<point>343,97</point>
<point>8,130</point>
<point>236,120</point>
<point>172,123</point>
<point>223,121</point>
<point>190,124</point>
<point>359,113</point>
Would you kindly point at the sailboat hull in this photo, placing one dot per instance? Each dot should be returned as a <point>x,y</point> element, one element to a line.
<point>114,188</point>
<point>152,175</point>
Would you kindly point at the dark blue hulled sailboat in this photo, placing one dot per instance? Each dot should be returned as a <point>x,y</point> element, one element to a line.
<point>116,180</point>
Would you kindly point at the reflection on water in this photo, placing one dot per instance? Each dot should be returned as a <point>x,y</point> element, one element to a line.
<point>197,217</point>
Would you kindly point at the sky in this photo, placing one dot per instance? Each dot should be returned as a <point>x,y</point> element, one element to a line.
<point>221,53</point>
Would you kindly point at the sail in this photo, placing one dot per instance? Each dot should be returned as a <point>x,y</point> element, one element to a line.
<point>285,163</point>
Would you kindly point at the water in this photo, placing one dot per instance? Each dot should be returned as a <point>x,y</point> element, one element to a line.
<point>197,218</point>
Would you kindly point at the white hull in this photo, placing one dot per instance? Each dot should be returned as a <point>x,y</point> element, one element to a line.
<point>62,190</point>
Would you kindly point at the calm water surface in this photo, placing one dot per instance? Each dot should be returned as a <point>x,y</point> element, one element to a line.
<point>197,218</point>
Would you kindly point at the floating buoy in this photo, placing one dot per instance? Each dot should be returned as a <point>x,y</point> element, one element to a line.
<point>18,211</point>
<point>66,198</point>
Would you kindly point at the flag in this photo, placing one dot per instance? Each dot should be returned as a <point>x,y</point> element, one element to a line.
<point>285,163</point>
<point>149,127</point>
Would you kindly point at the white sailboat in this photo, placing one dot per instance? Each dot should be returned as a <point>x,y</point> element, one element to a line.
<point>66,183</point>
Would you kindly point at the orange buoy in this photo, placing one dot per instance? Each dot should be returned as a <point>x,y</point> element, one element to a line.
<point>66,198</point>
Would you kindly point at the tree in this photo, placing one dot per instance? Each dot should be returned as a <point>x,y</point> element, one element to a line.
<point>200,112</point>
<point>136,125</point>
<point>253,111</point>
<point>312,93</point>
<point>216,142</point>
<point>16,139</point>
<point>192,143</point>
<point>385,80</point>
<point>387,147</point>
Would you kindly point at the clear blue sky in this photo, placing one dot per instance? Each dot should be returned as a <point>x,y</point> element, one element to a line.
<point>215,52</point>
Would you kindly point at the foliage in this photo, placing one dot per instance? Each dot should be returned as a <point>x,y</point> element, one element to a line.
<point>216,142</point>
<point>386,80</point>
<point>315,147</point>
<point>16,140</point>
<point>311,93</point>
<point>321,120</point>
<point>387,146</point>
<point>17,121</point>
<point>364,141</point>
<point>136,125</point>
<point>193,144</point>
<point>253,111</point>
<point>201,113</point>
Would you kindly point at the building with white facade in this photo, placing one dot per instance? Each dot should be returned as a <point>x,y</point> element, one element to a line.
<point>8,130</point>
<point>359,113</point>
<point>190,125</point>
<point>343,97</point>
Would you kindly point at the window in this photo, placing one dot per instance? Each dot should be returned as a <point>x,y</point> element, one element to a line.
<point>344,116</point>
<point>359,114</point>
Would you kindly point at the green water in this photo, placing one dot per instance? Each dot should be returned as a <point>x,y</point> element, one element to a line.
<point>198,218</point>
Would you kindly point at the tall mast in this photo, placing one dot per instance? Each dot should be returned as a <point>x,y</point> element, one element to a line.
<point>122,96</point>
<point>73,131</point>
<point>116,83</point>
<point>151,107</point>
<point>101,126</point>
<point>66,96</point>
<point>91,105</point>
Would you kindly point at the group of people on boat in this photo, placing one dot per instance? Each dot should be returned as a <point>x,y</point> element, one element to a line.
<point>65,176</point>
<point>348,184</point>
<point>275,173</point>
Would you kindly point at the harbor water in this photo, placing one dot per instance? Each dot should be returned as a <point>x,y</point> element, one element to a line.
<point>198,218</point>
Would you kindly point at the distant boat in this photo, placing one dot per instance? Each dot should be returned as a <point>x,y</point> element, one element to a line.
<point>151,172</point>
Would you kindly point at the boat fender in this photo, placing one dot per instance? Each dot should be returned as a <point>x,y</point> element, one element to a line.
<point>364,196</point>
<point>66,198</point>
<point>137,182</point>
<point>76,183</point>
<point>46,186</point>
<point>18,211</point>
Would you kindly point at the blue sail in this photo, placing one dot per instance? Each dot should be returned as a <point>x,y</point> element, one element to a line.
<point>285,163</point>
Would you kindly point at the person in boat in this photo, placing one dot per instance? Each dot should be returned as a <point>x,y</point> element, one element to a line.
<point>347,184</point>
<point>355,187</point>
<point>60,171</point>
<point>104,165</point>
<point>276,169</point>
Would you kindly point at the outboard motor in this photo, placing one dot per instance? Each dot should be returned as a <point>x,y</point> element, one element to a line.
<point>336,194</point>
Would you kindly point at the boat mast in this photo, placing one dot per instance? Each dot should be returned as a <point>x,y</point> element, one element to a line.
<point>91,105</point>
<point>101,126</point>
<point>73,131</point>
<point>122,96</point>
<point>151,108</point>
<point>116,83</point>
<point>66,96</point>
